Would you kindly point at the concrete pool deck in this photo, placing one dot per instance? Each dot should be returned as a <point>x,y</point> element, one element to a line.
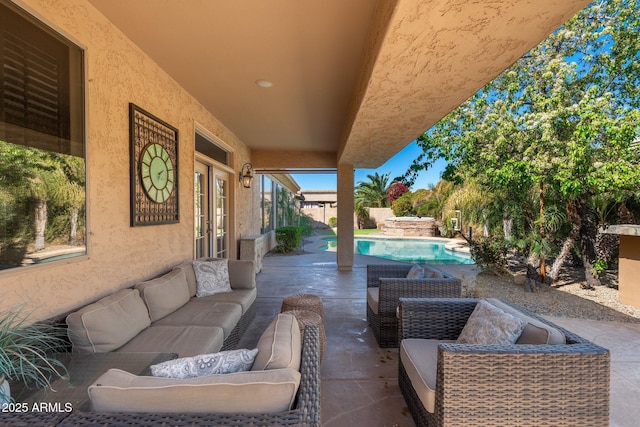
<point>359,379</point>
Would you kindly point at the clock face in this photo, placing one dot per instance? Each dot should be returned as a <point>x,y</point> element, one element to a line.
<point>157,172</point>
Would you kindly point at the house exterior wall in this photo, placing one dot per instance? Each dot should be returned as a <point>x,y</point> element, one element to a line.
<point>117,73</point>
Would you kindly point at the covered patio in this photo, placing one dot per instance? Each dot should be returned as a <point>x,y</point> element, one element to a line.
<point>360,380</point>
<point>279,86</point>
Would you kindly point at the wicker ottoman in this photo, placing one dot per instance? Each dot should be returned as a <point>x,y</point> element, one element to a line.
<point>303,302</point>
<point>309,318</point>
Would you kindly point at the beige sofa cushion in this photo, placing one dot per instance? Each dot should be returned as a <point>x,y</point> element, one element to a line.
<point>244,297</point>
<point>223,315</point>
<point>535,332</point>
<point>243,392</point>
<point>108,323</point>
<point>189,274</point>
<point>185,341</point>
<point>280,345</point>
<point>420,360</point>
<point>373,298</point>
<point>165,294</point>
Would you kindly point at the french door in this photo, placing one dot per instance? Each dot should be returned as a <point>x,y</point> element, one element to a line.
<point>211,211</point>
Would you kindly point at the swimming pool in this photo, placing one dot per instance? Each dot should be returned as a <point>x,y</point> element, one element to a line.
<point>421,251</point>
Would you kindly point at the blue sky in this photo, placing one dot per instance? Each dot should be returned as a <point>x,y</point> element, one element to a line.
<point>397,165</point>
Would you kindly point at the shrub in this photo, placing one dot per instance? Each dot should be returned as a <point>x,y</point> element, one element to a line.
<point>288,238</point>
<point>403,206</point>
<point>333,222</point>
<point>490,253</point>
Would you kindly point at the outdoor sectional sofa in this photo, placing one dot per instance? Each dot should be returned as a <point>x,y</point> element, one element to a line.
<point>282,389</point>
<point>548,377</point>
<point>386,283</point>
<point>164,315</point>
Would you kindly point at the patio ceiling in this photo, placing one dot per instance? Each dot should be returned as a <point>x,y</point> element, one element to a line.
<point>354,81</point>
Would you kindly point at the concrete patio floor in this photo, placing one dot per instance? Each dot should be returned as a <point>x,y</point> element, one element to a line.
<point>359,379</point>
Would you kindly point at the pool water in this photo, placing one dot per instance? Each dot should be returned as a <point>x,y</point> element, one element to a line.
<point>420,251</point>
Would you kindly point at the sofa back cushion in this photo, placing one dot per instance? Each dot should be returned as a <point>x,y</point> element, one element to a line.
<point>108,323</point>
<point>165,294</point>
<point>535,331</point>
<point>280,345</point>
<point>190,275</point>
<point>243,392</point>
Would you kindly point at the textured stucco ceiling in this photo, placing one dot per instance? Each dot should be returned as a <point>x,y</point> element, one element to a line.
<point>354,81</point>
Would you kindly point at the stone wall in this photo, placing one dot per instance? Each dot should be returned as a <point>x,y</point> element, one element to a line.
<point>409,226</point>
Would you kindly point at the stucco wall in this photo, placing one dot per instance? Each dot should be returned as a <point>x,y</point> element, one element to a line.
<point>118,73</point>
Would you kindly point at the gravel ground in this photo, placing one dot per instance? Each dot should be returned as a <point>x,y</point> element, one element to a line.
<point>567,299</point>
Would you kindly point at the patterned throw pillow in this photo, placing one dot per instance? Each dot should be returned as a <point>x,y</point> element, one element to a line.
<point>416,272</point>
<point>212,277</point>
<point>224,362</point>
<point>490,325</point>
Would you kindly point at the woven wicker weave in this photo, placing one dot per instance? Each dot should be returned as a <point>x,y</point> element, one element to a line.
<point>393,284</point>
<point>303,302</point>
<point>310,318</point>
<point>234,337</point>
<point>513,385</point>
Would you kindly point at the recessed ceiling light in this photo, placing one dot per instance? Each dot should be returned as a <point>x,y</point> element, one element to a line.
<point>264,83</point>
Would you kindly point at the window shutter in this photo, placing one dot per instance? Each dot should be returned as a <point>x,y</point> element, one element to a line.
<point>35,85</point>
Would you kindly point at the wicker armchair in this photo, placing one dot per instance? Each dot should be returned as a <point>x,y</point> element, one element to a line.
<point>387,282</point>
<point>306,411</point>
<point>509,385</point>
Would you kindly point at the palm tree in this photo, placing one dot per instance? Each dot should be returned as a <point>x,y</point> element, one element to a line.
<point>373,193</point>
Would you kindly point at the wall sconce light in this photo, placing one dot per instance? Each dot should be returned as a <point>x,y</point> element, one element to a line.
<point>246,175</point>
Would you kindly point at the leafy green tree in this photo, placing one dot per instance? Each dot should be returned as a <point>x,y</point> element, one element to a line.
<point>433,203</point>
<point>561,120</point>
<point>45,183</point>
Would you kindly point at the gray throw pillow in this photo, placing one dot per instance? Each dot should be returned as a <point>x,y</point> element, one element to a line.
<point>490,325</point>
<point>224,362</point>
<point>416,272</point>
<point>212,277</point>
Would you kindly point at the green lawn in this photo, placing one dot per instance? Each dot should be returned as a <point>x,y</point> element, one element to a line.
<point>365,232</point>
<point>356,232</point>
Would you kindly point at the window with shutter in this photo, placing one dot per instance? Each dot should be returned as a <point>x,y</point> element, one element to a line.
<point>42,160</point>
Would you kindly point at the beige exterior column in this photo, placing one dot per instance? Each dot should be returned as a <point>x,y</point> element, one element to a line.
<point>629,270</point>
<point>628,262</point>
<point>345,217</point>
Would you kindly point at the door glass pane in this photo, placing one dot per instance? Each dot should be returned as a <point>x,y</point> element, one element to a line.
<point>221,218</point>
<point>200,214</point>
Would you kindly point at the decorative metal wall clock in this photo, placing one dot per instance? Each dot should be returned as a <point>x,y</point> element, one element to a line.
<point>153,169</point>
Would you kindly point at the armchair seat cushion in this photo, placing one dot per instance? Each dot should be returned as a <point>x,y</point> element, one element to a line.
<point>419,357</point>
<point>373,299</point>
